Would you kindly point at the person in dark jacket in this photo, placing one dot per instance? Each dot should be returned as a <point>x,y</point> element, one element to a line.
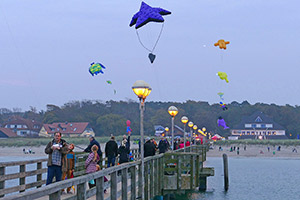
<point>163,145</point>
<point>127,145</point>
<point>93,142</point>
<point>149,148</point>
<point>124,152</point>
<point>111,151</point>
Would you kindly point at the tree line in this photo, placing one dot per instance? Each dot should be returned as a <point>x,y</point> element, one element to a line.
<point>110,117</point>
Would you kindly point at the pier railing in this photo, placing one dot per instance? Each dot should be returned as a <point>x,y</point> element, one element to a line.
<point>35,169</point>
<point>163,173</point>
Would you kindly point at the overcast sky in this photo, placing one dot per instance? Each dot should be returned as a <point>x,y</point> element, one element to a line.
<point>46,48</point>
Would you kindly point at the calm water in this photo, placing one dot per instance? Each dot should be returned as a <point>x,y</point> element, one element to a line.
<point>15,169</point>
<point>249,178</point>
<point>253,178</point>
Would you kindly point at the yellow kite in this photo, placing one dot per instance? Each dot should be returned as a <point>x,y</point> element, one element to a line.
<point>223,76</point>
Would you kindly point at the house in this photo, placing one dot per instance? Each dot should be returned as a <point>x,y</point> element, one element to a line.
<point>23,127</point>
<point>7,133</point>
<point>258,126</point>
<point>67,129</point>
<point>160,130</point>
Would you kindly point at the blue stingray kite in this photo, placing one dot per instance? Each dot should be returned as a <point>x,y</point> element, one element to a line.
<point>143,16</point>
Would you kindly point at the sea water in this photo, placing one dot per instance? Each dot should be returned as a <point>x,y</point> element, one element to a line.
<point>252,178</point>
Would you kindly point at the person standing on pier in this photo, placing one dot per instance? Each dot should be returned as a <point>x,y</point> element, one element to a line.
<point>70,166</point>
<point>163,145</point>
<point>111,151</point>
<point>93,142</point>
<point>149,148</point>
<point>124,152</point>
<point>91,164</point>
<point>57,150</point>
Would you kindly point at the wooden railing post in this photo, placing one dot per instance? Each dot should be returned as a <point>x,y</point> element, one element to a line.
<point>160,176</point>
<point>133,183</point>
<point>39,176</point>
<point>2,183</point>
<point>55,196</point>
<point>100,188</point>
<point>151,178</point>
<point>179,158</point>
<point>198,168</point>
<point>113,185</point>
<point>192,172</point>
<point>156,176</point>
<point>81,191</point>
<point>140,185</point>
<point>22,179</point>
<point>146,184</point>
<point>124,184</point>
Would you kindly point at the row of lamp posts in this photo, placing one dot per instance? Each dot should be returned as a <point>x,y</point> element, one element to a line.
<point>142,90</point>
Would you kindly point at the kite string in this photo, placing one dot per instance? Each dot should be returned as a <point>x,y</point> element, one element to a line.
<point>155,42</point>
<point>162,27</point>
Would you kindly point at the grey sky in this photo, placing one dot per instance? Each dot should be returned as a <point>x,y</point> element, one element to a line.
<point>47,46</point>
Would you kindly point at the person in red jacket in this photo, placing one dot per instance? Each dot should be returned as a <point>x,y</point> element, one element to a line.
<point>187,143</point>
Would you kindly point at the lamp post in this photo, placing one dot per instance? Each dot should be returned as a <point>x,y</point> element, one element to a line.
<point>184,120</point>
<point>191,124</point>
<point>142,90</point>
<point>167,131</point>
<point>173,112</point>
<point>204,131</point>
<point>195,128</point>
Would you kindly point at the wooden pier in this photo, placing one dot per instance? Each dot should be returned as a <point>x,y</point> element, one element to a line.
<point>172,172</point>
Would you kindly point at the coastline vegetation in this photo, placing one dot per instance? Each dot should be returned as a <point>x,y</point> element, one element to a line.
<point>110,117</point>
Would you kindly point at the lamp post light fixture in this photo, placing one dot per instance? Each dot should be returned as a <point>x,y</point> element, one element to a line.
<point>195,128</point>
<point>173,112</point>
<point>142,90</point>
<point>191,124</point>
<point>184,120</point>
<point>167,131</point>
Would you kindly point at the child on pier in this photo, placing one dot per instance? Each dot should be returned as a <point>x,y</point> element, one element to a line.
<point>91,163</point>
<point>70,166</point>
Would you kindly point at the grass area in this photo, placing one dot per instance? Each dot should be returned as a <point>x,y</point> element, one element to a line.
<point>19,142</point>
<point>259,142</point>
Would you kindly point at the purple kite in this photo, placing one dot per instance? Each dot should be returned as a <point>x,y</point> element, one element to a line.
<point>143,16</point>
<point>221,122</point>
<point>148,14</point>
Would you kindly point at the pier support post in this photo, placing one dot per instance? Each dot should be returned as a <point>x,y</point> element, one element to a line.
<point>202,183</point>
<point>226,181</point>
<point>2,183</point>
<point>22,179</point>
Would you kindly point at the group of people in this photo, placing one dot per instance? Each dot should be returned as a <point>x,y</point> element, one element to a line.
<point>61,158</point>
<point>150,146</point>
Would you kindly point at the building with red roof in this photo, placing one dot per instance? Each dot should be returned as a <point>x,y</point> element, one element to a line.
<point>67,129</point>
<point>7,133</point>
<point>23,127</point>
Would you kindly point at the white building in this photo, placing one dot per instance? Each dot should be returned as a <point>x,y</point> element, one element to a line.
<point>258,126</point>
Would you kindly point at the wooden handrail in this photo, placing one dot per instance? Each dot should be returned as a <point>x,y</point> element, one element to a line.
<point>53,190</point>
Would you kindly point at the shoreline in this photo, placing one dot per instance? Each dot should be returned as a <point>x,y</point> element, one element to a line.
<point>255,151</point>
<point>251,151</point>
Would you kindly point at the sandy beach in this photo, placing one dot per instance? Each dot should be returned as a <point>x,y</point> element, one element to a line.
<point>255,151</point>
<point>251,151</point>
